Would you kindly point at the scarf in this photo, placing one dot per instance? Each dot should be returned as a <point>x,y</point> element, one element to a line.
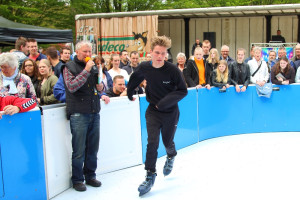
<point>9,83</point>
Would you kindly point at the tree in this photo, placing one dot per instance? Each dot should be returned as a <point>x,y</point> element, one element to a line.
<point>61,13</point>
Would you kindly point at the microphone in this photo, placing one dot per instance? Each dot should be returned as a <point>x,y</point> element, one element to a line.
<point>87,59</point>
<point>94,68</point>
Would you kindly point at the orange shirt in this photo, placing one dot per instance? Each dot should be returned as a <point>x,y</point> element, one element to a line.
<point>201,70</point>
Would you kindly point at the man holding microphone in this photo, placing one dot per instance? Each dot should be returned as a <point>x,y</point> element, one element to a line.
<point>83,107</point>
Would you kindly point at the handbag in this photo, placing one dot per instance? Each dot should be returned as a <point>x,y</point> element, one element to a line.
<point>264,91</point>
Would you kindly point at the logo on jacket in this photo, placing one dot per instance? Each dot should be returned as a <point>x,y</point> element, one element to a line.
<point>166,82</point>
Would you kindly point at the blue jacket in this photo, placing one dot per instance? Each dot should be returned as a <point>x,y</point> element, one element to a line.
<point>109,80</point>
<point>59,89</point>
<point>60,92</point>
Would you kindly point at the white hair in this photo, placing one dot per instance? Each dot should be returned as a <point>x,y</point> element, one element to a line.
<point>9,59</point>
<point>181,55</point>
<point>257,49</point>
<point>83,43</point>
<point>224,46</point>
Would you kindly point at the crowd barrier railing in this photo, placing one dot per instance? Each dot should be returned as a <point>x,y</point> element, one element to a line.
<point>228,113</point>
<point>35,148</point>
<point>120,141</point>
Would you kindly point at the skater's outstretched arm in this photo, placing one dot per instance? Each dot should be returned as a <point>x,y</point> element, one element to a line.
<point>135,80</point>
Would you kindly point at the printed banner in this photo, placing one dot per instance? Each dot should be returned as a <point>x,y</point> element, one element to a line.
<point>265,52</point>
<point>113,35</point>
<point>127,33</point>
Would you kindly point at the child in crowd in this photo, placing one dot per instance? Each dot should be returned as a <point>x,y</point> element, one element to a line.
<point>221,76</point>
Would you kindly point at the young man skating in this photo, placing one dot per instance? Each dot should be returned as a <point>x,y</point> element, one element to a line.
<point>165,88</point>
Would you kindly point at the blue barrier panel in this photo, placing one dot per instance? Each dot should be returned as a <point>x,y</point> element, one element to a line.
<point>1,177</point>
<point>22,157</point>
<point>187,128</point>
<point>222,114</point>
<point>279,113</point>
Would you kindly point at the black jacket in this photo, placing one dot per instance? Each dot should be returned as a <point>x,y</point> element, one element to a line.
<point>229,60</point>
<point>110,93</point>
<point>191,74</point>
<point>245,73</point>
<point>209,68</point>
<point>219,84</point>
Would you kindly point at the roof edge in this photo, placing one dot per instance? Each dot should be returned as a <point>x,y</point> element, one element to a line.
<point>189,11</point>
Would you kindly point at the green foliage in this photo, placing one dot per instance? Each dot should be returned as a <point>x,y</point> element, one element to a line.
<point>61,13</point>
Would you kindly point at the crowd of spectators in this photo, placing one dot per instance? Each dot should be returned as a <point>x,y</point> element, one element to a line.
<point>200,71</point>
<point>28,73</point>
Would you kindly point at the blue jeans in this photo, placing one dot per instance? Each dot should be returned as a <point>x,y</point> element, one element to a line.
<point>85,129</point>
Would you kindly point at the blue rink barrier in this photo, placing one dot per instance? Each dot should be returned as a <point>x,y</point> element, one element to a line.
<point>229,113</point>
<point>204,114</point>
<point>22,175</point>
<point>280,112</point>
<point>222,114</point>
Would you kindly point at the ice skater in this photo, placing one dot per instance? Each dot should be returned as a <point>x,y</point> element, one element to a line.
<point>165,88</point>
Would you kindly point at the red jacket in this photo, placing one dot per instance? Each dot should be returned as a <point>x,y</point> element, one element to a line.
<point>24,104</point>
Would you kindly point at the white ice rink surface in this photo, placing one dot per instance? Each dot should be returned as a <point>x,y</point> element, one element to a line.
<point>261,166</point>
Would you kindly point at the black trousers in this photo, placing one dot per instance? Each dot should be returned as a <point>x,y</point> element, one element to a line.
<point>157,122</point>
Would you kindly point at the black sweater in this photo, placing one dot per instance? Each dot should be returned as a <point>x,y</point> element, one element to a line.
<point>165,85</point>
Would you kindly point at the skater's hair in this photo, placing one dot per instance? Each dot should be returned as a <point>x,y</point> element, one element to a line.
<point>162,41</point>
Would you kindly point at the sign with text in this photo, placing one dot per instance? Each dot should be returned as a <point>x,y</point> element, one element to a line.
<point>113,35</point>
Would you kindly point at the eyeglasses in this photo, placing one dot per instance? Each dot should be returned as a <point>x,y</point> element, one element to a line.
<point>30,65</point>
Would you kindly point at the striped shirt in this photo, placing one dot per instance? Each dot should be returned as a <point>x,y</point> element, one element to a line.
<point>74,83</point>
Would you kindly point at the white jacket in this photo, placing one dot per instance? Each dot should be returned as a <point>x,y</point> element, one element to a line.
<point>262,74</point>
